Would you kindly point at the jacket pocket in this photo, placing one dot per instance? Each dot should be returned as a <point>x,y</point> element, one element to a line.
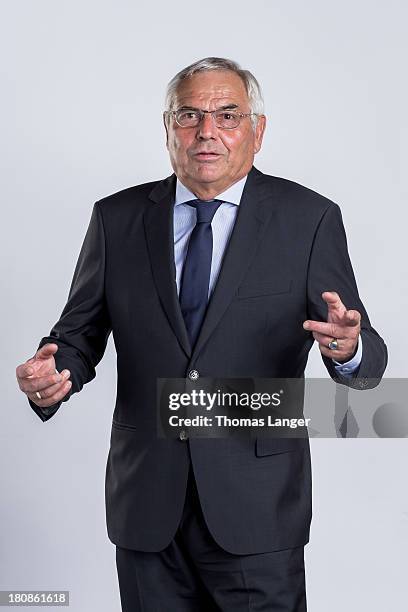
<point>267,288</point>
<point>123,426</point>
<point>274,446</point>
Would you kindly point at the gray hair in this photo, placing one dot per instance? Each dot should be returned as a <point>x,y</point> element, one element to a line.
<point>253,89</point>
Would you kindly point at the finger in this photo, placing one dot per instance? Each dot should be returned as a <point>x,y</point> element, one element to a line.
<point>336,310</point>
<point>334,303</point>
<point>325,340</point>
<point>56,397</point>
<point>343,354</point>
<point>352,318</point>
<point>336,354</point>
<point>32,385</point>
<point>46,351</point>
<point>328,329</point>
<point>50,391</point>
<point>24,370</point>
<point>345,346</point>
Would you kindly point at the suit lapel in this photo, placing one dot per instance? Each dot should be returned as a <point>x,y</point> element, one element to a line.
<point>251,221</point>
<point>158,220</point>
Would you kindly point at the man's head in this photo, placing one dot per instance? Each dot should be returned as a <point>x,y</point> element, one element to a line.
<point>207,155</point>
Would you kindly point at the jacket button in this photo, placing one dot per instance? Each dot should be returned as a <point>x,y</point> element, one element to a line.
<point>183,435</point>
<point>193,374</point>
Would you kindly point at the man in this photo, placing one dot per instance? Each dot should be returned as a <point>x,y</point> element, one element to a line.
<point>217,271</point>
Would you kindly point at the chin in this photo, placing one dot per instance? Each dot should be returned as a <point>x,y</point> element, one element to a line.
<point>207,175</point>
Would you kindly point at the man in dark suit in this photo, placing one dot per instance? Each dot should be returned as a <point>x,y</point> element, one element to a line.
<point>217,271</point>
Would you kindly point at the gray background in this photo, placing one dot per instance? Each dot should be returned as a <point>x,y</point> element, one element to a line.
<point>82,86</point>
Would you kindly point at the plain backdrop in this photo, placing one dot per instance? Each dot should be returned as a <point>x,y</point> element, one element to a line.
<point>82,89</point>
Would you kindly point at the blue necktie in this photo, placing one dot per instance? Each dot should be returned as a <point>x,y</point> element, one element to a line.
<point>197,267</point>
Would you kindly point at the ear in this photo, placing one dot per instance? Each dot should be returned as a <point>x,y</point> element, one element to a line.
<point>166,128</point>
<point>259,133</point>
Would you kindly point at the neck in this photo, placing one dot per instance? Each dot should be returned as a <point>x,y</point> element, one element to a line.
<point>208,191</point>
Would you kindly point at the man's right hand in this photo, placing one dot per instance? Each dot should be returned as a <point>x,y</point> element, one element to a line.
<point>38,374</point>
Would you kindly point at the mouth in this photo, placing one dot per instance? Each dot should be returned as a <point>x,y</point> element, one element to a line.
<point>206,156</point>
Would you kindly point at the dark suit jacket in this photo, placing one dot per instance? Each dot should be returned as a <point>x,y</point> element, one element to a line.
<point>287,247</point>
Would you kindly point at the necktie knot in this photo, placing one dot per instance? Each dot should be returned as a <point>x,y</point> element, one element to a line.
<point>206,209</point>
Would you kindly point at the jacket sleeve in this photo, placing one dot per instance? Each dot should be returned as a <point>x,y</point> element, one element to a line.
<point>84,326</point>
<point>330,269</point>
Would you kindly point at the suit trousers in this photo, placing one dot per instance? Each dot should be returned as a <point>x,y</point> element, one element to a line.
<point>194,574</point>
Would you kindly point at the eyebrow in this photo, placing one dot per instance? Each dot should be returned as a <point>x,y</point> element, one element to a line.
<point>225,107</point>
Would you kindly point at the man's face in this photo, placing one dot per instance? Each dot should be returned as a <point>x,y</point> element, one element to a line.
<point>208,159</point>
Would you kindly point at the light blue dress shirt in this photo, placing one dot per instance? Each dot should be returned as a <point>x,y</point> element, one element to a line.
<point>184,220</point>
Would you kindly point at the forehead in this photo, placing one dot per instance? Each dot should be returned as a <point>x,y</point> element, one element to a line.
<point>211,87</point>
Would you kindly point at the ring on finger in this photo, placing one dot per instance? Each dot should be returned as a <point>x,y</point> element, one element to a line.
<point>333,344</point>
<point>38,394</point>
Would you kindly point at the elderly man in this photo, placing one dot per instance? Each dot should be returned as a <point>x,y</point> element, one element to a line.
<point>217,271</point>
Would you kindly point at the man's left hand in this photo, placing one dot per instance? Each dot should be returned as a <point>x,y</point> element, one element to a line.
<point>342,325</point>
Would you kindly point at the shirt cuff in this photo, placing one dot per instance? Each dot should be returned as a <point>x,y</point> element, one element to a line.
<point>348,368</point>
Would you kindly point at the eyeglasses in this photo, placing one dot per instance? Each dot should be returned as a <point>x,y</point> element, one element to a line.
<point>223,118</point>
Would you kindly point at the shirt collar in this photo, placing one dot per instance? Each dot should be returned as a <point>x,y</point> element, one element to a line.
<point>232,195</point>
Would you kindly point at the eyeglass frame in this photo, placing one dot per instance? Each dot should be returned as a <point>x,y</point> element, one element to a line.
<point>203,112</point>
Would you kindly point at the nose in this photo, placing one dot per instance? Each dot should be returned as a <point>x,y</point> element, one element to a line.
<point>207,128</point>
